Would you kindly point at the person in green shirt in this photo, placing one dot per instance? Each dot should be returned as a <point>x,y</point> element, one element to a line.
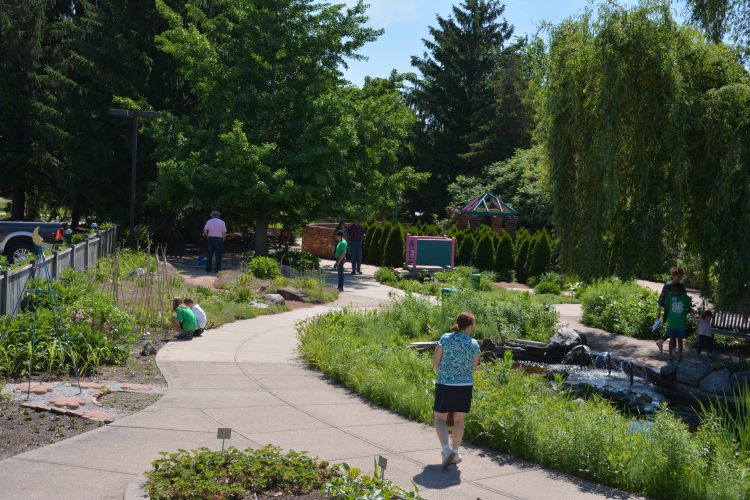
<point>678,304</point>
<point>184,321</point>
<point>340,254</point>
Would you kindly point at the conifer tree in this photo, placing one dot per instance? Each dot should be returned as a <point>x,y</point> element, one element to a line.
<point>395,247</point>
<point>504,257</point>
<point>525,240</point>
<point>484,253</point>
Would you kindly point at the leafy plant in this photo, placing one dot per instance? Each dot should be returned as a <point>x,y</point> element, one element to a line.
<point>352,485</point>
<point>303,261</point>
<point>264,268</point>
<point>619,307</point>
<point>548,287</point>
<point>386,275</point>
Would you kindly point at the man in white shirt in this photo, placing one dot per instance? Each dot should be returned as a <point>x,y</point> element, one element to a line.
<point>215,231</point>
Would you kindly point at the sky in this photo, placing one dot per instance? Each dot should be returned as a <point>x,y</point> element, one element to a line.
<point>406,24</point>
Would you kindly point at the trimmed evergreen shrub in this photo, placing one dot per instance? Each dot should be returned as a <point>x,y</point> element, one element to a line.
<point>465,250</point>
<point>372,251</point>
<point>395,247</point>
<point>504,258</point>
<point>484,253</point>
<point>380,250</point>
<point>540,255</point>
<point>523,248</point>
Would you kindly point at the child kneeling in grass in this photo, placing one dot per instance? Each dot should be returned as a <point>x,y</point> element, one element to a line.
<point>183,321</point>
<point>455,361</point>
<point>200,316</point>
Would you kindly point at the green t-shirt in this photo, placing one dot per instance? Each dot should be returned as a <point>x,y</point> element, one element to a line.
<point>187,320</point>
<point>677,310</point>
<point>341,248</point>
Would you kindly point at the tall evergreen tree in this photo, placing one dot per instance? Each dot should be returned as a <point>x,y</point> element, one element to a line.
<point>467,75</point>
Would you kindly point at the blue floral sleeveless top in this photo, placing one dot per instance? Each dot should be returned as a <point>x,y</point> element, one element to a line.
<point>459,350</point>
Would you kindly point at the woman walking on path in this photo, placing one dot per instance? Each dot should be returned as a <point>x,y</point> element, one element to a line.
<point>456,359</point>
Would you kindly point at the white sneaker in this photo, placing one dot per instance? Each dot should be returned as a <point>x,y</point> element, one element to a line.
<point>448,457</point>
<point>458,458</point>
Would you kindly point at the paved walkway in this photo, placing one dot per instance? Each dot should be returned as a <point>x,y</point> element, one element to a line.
<point>248,376</point>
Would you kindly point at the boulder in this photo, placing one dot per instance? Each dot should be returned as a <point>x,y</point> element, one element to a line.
<point>148,349</point>
<point>137,272</point>
<point>718,382</point>
<point>274,298</point>
<point>668,371</point>
<point>292,294</point>
<point>691,373</point>
<point>740,380</point>
<point>565,339</point>
<point>580,355</point>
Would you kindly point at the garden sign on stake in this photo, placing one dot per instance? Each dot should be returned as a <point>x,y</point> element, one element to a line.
<point>224,433</point>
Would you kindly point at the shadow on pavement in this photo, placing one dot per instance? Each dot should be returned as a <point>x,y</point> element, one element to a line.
<point>435,477</point>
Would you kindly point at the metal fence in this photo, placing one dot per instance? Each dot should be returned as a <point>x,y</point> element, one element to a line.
<point>79,257</point>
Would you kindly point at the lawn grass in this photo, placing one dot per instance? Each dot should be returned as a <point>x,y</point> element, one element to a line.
<point>541,298</point>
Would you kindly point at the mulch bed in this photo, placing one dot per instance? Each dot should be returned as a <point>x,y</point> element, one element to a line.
<point>128,401</point>
<point>24,429</point>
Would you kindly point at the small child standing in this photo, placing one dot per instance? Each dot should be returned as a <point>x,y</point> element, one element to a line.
<point>705,333</point>
<point>183,321</point>
<point>200,316</point>
<point>679,304</point>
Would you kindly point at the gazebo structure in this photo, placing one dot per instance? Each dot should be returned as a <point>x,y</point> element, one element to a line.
<point>500,214</point>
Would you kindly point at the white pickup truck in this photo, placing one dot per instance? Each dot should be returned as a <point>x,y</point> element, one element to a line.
<point>15,237</point>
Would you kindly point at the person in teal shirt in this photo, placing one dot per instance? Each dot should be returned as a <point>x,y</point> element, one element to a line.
<point>678,304</point>
<point>340,254</point>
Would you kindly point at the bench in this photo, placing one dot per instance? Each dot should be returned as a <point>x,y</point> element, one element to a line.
<point>279,238</point>
<point>731,324</point>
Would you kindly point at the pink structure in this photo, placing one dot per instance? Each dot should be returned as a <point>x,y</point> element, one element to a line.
<point>430,252</point>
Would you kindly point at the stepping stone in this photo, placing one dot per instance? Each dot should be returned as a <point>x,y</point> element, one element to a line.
<point>35,389</point>
<point>88,385</point>
<point>98,416</point>
<point>34,406</point>
<point>135,387</point>
<point>67,402</point>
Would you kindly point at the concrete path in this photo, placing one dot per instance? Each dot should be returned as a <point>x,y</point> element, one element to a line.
<point>248,376</point>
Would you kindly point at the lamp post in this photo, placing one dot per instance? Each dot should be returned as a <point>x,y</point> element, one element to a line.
<point>134,114</point>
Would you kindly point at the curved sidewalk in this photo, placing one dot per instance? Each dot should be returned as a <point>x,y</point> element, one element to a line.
<point>248,376</point>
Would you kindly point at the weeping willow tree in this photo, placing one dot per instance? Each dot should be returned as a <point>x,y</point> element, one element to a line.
<point>625,119</point>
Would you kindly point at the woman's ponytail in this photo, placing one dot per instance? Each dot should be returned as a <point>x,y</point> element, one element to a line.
<point>464,320</point>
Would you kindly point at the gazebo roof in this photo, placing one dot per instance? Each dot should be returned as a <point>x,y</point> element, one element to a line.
<point>488,205</point>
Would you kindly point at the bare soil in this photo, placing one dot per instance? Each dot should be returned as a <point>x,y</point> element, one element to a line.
<point>128,401</point>
<point>24,429</point>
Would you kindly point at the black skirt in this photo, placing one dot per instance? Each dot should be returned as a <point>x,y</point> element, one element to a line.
<point>452,398</point>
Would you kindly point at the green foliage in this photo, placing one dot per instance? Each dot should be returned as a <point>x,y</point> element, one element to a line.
<point>264,267</point>
<point>540,254</point>
<point>303,261</point>
<point>619,307</point>
<point>395,247</point>
<point>484,253</point>
<point>521,181</point>
<point>461,132</point>
<point>523,246</point>
<point>465,250</point>
<point>372,240</point>
<point>545,286</point>
<point>77,238</point>
<point>352,485</point>
<point>630,187</point>
<point>720,19</point>
<point>205,473</point>
<point>385,275</point>
<point>96,332</point>
<point>503,264</point>
<point>523,415</point>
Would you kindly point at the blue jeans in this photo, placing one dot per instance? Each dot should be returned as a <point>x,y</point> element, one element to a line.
<point>341,275</point>
<point>215,247</point>
<point>355,250</point>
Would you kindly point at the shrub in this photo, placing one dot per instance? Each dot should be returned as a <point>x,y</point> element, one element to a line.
<point>264,268</point>
<point>484,253</point>
<point>522,414</point>
<point>465,249</point>
<point>619,307</point>
<point>523,245</point>
<point>540,254</point>
<point>548,287</point>
<point>351,485</point>
<point>395,247</point>
<point>386,275</point>
<point>503,265</point>
<point>303,261</point>
<point>372,240</point>
<point>77,238</point>
<point>205,473</point>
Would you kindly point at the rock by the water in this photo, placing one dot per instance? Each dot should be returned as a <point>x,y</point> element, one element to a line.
<point>292,294</point>
<point>668,371</point>
<point>580,355</point>
<point>274,298</point>
<point>258,305</point>
<point>718,382</point>
<point>691,373</point>
<point>487,345</point>
<point>137,272</point>
<point>565,339</point>
<point>741,379</point>
<point>148,349</point>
